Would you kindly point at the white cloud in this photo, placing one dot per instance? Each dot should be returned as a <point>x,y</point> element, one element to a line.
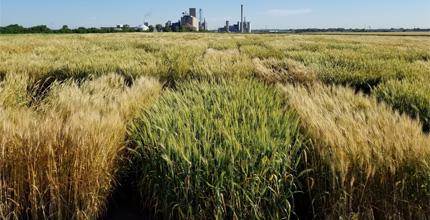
<point>280,12</point>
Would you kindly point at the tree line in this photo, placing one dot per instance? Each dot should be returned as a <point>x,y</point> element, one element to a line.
<point>18,29</point>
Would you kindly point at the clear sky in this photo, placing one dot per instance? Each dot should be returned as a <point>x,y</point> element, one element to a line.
<point>280,14</point>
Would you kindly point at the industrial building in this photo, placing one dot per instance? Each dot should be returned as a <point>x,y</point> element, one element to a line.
<point>242,26</point>
<point>190,21</point>
<point>236,27</point>
<point>204,26</point>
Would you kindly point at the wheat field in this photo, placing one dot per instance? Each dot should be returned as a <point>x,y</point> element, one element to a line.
<point>215,126</point>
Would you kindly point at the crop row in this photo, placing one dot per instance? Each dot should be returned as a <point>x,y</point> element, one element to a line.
<point>77,112</point>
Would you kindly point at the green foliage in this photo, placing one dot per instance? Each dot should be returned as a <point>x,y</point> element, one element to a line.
<point>151,28</point>
<point>17,29</point>
<point>226,64</point>
<point>366,74</point>
<point>177,63</point>
<point>13,92</point>
<point>39,29</point>
<point>223,45</point>
<point>409,96</point>
<point>126,28</point>
<point>65,29</point>
<point>159,27</point>
<point>372,66</point>
<point>214,151</point>
<point>81,30</point>
<point>13,29</point>
<point>262,52</point>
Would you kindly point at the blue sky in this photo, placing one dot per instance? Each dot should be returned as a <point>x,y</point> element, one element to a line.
<point>262,13</point>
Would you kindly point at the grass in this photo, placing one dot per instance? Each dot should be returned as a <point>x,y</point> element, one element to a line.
<point>222,64</point>
<point>409,96</point>
<point>416,33</point>
<point>230,150</point>
<point>64,117</point>
<point>368,162</point>
<point>59,159</point>
<point>284,71</point>
<point>369,63</point>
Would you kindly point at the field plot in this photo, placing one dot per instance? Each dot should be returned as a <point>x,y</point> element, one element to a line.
<point>422,33</point>
<point>215,126</point>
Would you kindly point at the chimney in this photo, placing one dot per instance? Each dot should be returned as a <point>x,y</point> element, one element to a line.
<point>241,18</point>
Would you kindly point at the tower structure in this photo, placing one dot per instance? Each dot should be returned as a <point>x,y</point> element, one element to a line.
<point>241,18</point>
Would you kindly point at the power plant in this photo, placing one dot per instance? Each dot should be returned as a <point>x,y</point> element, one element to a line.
<point>241,27</point>
<point>190,21</point>
<point>195,22</point>
<point>241,18</point>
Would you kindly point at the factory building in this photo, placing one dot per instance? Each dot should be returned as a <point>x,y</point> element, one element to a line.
<point>204,26</point>
<point>190,20</point>
<point>241,27</point>
<point>236,27</point>
<point>247,27</point>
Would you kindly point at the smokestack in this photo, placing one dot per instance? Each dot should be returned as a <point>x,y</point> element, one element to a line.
<point>227,26</point>
<point>241,18</point>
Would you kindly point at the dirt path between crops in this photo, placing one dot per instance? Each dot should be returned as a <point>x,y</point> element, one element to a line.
<point>125,205</point>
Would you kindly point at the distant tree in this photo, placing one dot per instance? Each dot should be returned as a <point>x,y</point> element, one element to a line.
<point>93,30</point>
<point>104,30</point>
<point>81,30</point>
<point>14,29</point>
<point>126,28</point>
<point>65,29</point>
<point>184,28</point>
<point>168,29</point>
<point>176,29</point>
<point>151,28</point>
<point>159,27</point>
<point>39,29</point>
